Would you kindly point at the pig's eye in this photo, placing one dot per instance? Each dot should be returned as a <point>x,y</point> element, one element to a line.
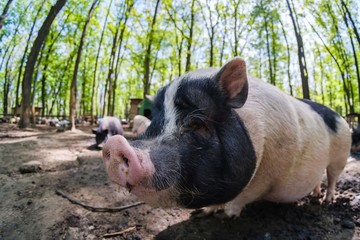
<point>193,125</point>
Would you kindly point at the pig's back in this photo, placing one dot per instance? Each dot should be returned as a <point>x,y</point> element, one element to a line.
<point>292,141</point>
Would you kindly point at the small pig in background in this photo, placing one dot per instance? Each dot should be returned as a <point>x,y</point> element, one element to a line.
<point>222,139</point>
<point>108,126</point>
<point>141,123</point>
<point>355,144</point>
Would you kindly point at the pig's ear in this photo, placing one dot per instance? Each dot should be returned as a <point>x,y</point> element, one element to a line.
<point>232,79</point>
<point>94,130</point>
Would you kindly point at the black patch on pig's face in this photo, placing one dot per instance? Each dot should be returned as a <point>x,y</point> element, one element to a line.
<point>209,159</point>
<point>101,135</point>
<point>329,116</point>
<point>157,115</point>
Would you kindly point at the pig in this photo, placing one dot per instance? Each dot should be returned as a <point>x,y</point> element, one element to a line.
<point>108,126</point>
<point>220,139</point>
<point>355,143</point>
<point>141,123</point>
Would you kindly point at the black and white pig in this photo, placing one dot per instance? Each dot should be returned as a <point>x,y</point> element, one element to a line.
<point>222,139</point>
<point>108,126</point>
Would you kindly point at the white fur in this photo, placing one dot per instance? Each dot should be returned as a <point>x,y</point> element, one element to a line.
<point>170,111</point>
<point>141,123</point>
<point>293,147</point>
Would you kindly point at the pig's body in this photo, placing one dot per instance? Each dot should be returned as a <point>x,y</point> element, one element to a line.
<point>108,126</point>
<point>293,146</point>
<point>141,123</point>
<point>219,139</point>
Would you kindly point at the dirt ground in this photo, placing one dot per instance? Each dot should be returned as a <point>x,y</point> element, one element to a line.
<point>37,162</point>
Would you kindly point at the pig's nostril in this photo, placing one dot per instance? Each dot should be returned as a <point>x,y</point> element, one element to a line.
<point>129,186</point>
<point>126,160</point>
<point>107,155</point>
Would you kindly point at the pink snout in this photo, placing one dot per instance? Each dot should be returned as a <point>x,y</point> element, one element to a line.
<point>125,165</point>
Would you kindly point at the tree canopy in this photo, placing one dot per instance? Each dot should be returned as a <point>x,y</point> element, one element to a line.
<point>96,55</point>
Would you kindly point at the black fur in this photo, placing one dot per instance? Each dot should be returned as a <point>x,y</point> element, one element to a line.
<point>329,116</point>
<point>210,159</point>
<point>157,115</point>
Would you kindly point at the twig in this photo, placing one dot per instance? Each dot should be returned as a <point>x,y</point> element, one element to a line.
<point>96,209</point>
<point>127,230</point>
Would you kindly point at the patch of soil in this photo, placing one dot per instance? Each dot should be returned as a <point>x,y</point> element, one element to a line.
<point>38,161</point>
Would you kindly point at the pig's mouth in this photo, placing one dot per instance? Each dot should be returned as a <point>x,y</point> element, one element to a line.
<point>132,168</point>
<point>129,167</point>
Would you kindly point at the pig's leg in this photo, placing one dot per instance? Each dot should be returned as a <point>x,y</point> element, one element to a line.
<point>333,172</point>
<point>212,209</point>
<point>332,176</point>
<point>234,207</point>
<point>317,191</point>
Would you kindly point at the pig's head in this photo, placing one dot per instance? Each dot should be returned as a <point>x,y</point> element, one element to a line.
<point>196,151</point>
<point>101,135</point>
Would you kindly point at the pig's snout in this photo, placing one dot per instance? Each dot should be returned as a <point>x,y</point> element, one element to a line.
<point>125,165</point>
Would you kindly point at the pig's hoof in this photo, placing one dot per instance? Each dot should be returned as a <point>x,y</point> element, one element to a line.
<point>232,213</point>
<point>327,200</point>
<point>213,209</point>
<point>207,211</point>
<point>317,192</point>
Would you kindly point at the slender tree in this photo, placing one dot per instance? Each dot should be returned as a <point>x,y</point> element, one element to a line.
<point>355,29</point>
<point>288,58</point>
<point>301,53</point>
<point>5,11</point>
<point>356,62</point>
<point>28,42</point>
<point>93,90</point>
<point>147,58</point>
<point>30,64</point>
<point>339,66</point>
<point>211,22</point>
<point>72,104</point>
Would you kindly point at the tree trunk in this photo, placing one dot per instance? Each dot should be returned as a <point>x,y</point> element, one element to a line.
<point>352,21</point>
<point>44,71</point>
<point>130,5</point>
<point>147,59</point>
<point>268,51</point>
<point>301,55</point>
<point>236,40</point>
<point>340,48</point>
<point>72,104</point>
<point>29,69</point>
<point>190,38</point>
<point>354,54</point>
<point>33,93</point>
<point>93,91</point>
<point>222,50</point>
<point>288,58</point>
<point>3,15</point>
<point>210,30</point>
<point>273,39</point>
<point>11,43</point>
<point>7,85</point>
<point>25,53</point>
<point>179,51</point>
<point>346,90</point>
<point>109,79</point>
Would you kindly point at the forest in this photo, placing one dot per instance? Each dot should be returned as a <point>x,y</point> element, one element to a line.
<point>89,58</point>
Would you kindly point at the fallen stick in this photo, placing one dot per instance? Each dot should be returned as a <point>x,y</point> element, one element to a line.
<point>127,230</point>
<point>96,209</point>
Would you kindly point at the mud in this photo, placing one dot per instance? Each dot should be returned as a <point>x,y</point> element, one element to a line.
<point>36,162</point>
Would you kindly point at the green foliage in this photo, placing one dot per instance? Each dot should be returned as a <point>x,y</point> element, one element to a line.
<point>258,31</point>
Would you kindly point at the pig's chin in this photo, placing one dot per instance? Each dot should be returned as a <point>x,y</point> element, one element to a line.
<point>163,198</point>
